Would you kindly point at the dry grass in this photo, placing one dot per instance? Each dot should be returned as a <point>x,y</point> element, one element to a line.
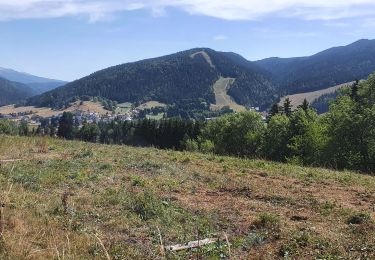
<point>48,112</point>
<point>150,105</point>
<point>297,99</point>
<point>222,99</point>
<point>128,201</point>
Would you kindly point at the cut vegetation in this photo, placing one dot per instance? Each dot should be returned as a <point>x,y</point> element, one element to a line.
<point>297,99</point>
<point>93,107</point>
<point>73,200</point>
<point>221,88</point>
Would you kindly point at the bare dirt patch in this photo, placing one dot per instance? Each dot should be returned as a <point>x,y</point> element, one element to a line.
<point>205,56</point>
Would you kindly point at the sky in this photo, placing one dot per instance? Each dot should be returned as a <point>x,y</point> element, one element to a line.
<point>69,39</point>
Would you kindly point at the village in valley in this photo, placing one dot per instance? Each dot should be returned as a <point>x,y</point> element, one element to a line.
<point>88,112</point>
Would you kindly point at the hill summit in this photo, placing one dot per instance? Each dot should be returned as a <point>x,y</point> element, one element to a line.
<point>185,75</point>
<point>195,74</point>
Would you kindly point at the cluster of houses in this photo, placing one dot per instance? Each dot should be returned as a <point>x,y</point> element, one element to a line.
<point>80,117</point>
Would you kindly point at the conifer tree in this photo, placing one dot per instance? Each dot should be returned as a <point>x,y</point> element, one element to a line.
<point>66,123</point>
<point>287,107</point>
<point>305,105</point>
<point>354,94</point>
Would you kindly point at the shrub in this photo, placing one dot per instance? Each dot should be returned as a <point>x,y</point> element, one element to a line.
<point>358,219</point>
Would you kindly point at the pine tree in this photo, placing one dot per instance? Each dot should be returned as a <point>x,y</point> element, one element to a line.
<point>305,105</point>
<point>354,94</point>
<point>66,128</point>
<point>287,107</point>
<point>274,111</point>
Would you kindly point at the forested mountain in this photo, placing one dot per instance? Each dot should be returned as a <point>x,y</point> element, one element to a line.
<point>13,92</point>
<point>190,75</point>
<point>326,69</point>
<point>185,75</point>
<point>37,84</point>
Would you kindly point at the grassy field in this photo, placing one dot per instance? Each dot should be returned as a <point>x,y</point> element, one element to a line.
<point>123,108</point>
<point>48,112</point>
<point>297,99</point>
<point>222,99</point>
<point>150,105</point>
<point>73,200</point>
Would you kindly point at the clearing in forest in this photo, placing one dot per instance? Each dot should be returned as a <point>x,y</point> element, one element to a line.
<point>221,88</point>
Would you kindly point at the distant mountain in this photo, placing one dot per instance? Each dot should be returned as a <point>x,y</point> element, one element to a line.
<point>37,84</point>
<point>13,92</point>
<point>182,76</point>
<point>191,75</point>
<point>326,69</point>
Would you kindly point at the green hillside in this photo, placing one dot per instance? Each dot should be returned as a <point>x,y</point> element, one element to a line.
<point>74,200</point>
<point>191,75</point>
<point>13,92</point>
<point>328,68</point>
<point>182,76</point>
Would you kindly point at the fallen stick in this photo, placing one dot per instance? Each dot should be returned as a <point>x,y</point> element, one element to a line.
<point>10,160</point>
<point>192,244</point>
<point>2,205</point>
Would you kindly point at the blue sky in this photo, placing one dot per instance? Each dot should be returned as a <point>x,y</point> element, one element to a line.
<point>72,38</point>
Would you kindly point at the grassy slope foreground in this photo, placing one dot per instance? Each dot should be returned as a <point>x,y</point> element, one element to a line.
<point>120,197</point>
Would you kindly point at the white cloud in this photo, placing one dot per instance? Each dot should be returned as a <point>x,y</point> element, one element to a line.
<point>220,38</point>
<point>223,9</point>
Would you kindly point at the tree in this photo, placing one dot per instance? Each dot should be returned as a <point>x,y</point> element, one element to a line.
<point>308,137</point>
<point>305,105</point>
<point>354,91</point>
<point>8,127</point>
<point>66,128</point>
<point>23,128</point>
<point>351,127</point>
<point>90,132</point>
<point>287,107</point>
<point>276,139</point>
<point>274,111</point>
<point>235,134</point>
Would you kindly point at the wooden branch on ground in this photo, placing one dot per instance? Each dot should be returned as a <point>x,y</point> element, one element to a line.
<point>10,160</point>
<point>192,244</point>
<point>2,205</point>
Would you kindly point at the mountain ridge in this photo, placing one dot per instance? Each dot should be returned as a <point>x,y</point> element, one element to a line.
<point>187,75</point>
<point>36,83</point>
<point>13,92</point>
<point>331,67</point>
<point>168,79</point>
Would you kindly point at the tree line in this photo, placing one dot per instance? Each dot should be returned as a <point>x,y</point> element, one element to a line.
<point>343,138</point>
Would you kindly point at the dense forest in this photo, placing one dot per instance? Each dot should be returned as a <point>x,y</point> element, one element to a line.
<point>168,79</point>
<point>329,68</point>
<point>13,92</point>
<point>321,104</point>
<point>342,138</point>
<point>190,75</point>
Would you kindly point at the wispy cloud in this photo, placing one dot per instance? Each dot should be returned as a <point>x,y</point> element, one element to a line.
<point>230,10</point>
<point>220,38</point>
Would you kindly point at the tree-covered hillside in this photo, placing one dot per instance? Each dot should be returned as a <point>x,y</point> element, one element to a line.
<point>326,69</point>
<point>169,79</point>
<point>190,75</point>
<point>13,92</point>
